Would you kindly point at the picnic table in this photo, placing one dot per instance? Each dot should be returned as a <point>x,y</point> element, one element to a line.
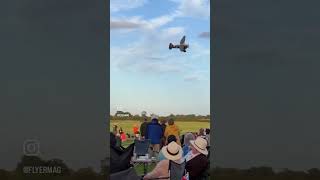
<point>144,160</point>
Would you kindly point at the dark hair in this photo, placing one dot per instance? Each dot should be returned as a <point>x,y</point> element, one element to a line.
<point>171,138</point>
<point>170,121</point>
<point>207,131</point>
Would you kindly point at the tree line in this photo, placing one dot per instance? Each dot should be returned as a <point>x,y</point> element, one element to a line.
<point>177,117</point>
<point>218,173</point>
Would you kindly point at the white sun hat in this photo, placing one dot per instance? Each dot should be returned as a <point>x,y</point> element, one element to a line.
<point>200,144</point>
<point>172,151</point>
<point>154,116</point>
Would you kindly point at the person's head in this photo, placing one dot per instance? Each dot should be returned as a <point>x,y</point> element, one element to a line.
<point>145,118</point>
<point>172,151</point>
<point>187,138</point>
<point>171,121</point>
<point>201,131</point>
<point>207,131</point>
<point>155,119</point>
<point>171,138</point>
<point>163,121</point>
<point>199,146</point>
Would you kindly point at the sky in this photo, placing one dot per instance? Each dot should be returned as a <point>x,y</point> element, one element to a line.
<point>144,74</point>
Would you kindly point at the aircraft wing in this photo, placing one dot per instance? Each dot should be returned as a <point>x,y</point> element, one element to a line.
<point>183,40</point>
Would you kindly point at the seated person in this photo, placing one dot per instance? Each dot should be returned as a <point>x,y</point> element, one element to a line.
<point>186,146</point>
<point>173,152</point>
<point>197,160</point>
<point>171,138</point>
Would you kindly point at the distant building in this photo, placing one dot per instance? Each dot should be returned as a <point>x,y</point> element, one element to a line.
<point>122,114</point>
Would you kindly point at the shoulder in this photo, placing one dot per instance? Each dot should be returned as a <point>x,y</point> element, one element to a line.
<point>163,163</point>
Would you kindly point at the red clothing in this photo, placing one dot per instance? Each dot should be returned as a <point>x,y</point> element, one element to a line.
<point>123,137</point>
<point>135,130</point>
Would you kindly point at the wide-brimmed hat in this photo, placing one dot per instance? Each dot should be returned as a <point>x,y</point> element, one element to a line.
<point>172,151</point>
<point>200,144</point>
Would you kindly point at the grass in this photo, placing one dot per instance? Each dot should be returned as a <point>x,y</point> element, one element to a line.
<point>184,126</point>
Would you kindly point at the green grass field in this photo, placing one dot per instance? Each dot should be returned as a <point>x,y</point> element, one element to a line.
<point>184,126</point>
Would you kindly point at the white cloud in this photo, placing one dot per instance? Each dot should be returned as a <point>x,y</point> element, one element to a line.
<point>136,22</point>
<point>198,75</point>
<point>119,5</point>
<point>150,53</point>
<point>123,25</point>
<point>204,35</point>
<point>193,8</point>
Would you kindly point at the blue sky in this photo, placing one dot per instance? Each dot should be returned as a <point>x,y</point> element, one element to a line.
<point>145,74</point>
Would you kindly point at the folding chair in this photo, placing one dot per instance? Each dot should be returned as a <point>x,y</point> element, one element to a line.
<point>176,171</point>
<point>141,147</point>
<point>119,162</point>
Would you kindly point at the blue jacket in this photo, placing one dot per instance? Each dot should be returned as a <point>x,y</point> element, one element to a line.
<point>154,132</point>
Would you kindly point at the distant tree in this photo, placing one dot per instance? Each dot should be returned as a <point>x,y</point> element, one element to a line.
<point>260,171</point>
<point>58,163</point>
<point>104,170</point>
<point>85,174</point>
<point>143,113</point>
<point>4,175</point>
<point>314,172</point>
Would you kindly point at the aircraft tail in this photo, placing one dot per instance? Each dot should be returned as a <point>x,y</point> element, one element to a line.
<point>170,46</point>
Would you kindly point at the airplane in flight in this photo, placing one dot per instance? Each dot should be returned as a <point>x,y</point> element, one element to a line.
<point>182,46</point>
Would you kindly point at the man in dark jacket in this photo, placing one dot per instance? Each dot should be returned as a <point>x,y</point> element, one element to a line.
<point>143,127</point>
<point>154,133</point>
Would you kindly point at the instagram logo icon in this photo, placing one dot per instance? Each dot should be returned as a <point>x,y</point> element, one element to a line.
<point>31,147</point>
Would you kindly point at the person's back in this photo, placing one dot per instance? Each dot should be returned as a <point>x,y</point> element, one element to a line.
<point>143,128</point>
<point>172,129</point>
<point>154,132</point>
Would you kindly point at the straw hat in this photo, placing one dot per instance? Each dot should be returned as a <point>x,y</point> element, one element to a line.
<point>200,144</point>
<point>172,151</point>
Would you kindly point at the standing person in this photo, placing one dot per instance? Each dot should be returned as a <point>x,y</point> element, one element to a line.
<point>163,140</point>
<point>172,129</point>
<point>122,135</point>
<point>197,161</point>
<point>143,127</point>
<point>135,130</point>
<point>154,133</point>
<point>115,129</point>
